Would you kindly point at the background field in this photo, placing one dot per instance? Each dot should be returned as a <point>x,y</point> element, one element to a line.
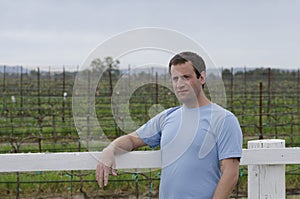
<point>36,116</point>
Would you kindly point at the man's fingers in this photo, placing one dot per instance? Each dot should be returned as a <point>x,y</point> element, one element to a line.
<point>102,174</point>
<point>113,172</point>
<point>99,175</point>
<point>106,174</point>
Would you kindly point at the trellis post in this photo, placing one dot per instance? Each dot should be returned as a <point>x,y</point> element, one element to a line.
<point>266,181</point>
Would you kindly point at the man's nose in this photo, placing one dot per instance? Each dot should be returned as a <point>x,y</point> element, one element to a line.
<point>180,83</point>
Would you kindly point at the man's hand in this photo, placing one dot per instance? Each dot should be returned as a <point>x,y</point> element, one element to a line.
<point>105,167</point>
<point>119,146</point>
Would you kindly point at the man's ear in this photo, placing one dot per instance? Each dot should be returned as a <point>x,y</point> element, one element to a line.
<point>203,77</point>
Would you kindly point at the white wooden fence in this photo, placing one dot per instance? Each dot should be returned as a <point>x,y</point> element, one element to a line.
<point>266,160</point>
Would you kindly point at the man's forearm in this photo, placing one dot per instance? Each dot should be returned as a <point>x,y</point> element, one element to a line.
<point>120,145</point>
<point>125,144</point>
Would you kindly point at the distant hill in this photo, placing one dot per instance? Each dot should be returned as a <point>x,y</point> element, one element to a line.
<point>13,69</point>
<point>151,70</point>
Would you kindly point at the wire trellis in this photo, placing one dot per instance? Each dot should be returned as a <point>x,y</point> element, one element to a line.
<point>36,116</point>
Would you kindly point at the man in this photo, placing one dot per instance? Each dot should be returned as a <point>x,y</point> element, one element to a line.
<point>201,142</point>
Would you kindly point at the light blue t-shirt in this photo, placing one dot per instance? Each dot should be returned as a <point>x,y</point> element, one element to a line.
<point>192,142</point>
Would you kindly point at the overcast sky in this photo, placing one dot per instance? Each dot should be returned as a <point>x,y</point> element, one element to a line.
<point>234,33</point>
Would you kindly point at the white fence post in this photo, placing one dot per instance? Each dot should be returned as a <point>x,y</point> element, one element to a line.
<point>266,181</point>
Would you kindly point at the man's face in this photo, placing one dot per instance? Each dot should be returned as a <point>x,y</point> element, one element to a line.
<point>185,83</point>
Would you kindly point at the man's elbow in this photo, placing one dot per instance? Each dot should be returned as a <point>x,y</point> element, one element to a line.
<point>235,178</point>
<point>232,176</point>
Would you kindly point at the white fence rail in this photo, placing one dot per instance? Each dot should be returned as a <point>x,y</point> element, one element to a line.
<point>24,162</point>
<point>266,160</point>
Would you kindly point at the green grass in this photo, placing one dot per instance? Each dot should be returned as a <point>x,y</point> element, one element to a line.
<point>50,183</point>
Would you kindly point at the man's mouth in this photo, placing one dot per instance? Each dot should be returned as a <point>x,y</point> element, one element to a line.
<point>182,92</point>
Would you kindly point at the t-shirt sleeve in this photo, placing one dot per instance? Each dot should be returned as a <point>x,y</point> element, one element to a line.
<point>231,138</point>
<point>150,132</point>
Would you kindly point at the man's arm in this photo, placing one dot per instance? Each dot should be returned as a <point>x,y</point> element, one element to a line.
<point>229,178</point>
<point>120,145</point>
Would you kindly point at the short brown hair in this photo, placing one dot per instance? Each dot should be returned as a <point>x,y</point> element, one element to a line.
<point>183,57</point>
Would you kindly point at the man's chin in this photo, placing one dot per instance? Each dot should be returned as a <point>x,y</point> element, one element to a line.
<point>184,100</point>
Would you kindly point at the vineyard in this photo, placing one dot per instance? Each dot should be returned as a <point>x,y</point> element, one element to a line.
<point>36,115</point>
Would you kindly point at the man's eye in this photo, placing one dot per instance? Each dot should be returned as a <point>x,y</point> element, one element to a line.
<point>186,76</point>
<point>175,78</point>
